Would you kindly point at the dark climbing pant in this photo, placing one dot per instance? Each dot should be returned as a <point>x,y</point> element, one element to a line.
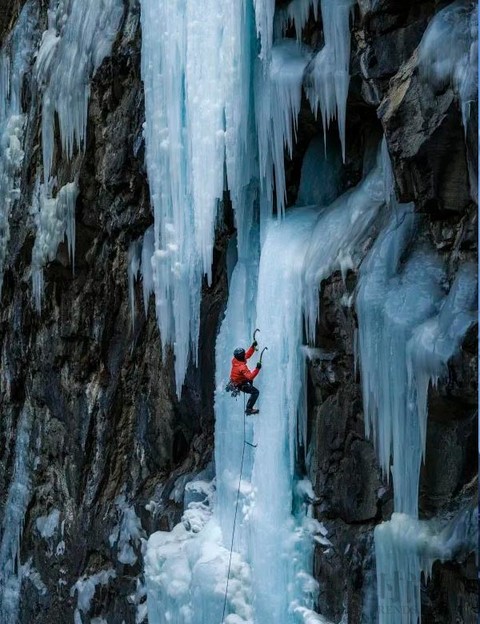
<point>250,389</point>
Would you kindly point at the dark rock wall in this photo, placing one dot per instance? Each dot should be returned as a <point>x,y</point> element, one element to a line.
<point>99,394</point>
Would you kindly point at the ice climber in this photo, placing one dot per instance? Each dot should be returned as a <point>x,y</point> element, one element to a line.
<point>241,376</point>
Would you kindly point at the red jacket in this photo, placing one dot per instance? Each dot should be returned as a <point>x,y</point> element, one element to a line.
<point>240,371</point>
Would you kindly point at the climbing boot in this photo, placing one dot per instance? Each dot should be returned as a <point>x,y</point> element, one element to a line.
<point>251,412</point>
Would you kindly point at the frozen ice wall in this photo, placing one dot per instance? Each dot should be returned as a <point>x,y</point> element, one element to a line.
<point>280,545</point>
<point>453,29</point>
<point>196,73</point>
<point>15,58</point>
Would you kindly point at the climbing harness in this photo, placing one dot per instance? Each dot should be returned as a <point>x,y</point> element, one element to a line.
<point>245,443</point>
<point>233,389</point>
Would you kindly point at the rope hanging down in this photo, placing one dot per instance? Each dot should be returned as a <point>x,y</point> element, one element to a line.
<point>245,443</point>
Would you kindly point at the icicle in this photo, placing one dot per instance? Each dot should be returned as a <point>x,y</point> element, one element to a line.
<point>134,252</point>
<point>434,342</point>
<point>264,15</point>
<point>278,97</point>
<point>454,28</point>
<point>329,75</point>
<point>55,221</point>
<point>295,14</point>
<point>80,35</point>
<point>148,249</point>
<point>195,68</point>
<point>15,58</point>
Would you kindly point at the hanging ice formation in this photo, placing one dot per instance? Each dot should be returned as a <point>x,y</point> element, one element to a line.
<point>454,28</point>
<point>329,72</point>
<point>406,548</point>
<point>15,58</point>
<point>343,226</point>
<point>196,73</point>
<point>295,14</point>
<point>79,36</point>
<point>277,104</point>
<point>55,221</point>
<point>408,330</point>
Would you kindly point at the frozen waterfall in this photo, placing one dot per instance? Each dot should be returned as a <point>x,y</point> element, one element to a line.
<point>196,72</point>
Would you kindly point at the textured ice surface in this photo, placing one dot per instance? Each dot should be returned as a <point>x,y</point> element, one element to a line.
<point>127,533</point>
<point>85,589</point>
<point>278,95</point>
<point>448,53</point>
<point>79,36</point>
<point>340,229</point>
<point>264,18</point>
<point>295,14</point>
<point>15,58</point>
<point>329,73</point>
<point>321,174</point>
<point>186,570</point>
<point>406,547</point>
<point>196,74</point>
<point>408,330</point>
<point>393,300</point>
<point>47,525</point>
<point>55,220</point>
<point>18,498</point>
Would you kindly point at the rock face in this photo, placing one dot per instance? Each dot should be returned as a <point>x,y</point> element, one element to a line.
<point>94,395</point>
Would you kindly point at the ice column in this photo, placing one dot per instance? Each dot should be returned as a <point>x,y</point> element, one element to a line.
<point>15,58</point>
<point>196,73</point>
<point>329,74</point>
<point>80,35</point>
<point>281,545</point>
<point>12,526</point>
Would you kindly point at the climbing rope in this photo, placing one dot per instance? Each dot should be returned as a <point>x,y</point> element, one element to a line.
<point>236,506</point>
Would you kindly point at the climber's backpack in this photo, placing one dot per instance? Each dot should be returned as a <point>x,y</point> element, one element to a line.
<point>232,388</point>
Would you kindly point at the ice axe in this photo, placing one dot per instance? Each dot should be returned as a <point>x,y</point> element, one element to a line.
<point>254,338</point>
<point>261,354</point>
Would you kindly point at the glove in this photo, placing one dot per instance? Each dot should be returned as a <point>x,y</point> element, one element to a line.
<point>254,344</point>
<point>259,365</point>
